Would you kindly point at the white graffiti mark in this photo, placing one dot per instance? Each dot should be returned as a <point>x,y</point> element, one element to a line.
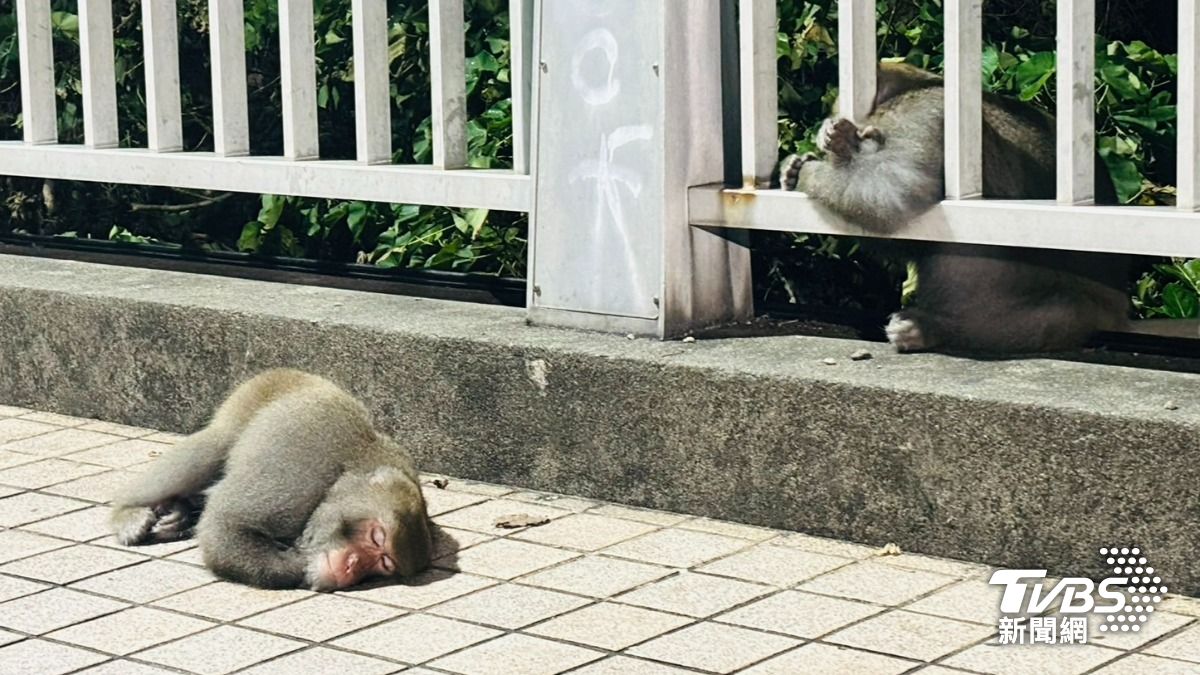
<point>609,176</point>
<point>599,39</point>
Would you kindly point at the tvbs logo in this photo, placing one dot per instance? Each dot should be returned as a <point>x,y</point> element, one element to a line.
<point>1125,599</point>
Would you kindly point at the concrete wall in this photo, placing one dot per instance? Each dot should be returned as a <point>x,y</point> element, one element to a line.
<point>1018,463</point>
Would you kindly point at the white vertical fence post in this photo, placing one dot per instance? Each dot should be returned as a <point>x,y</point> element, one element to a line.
<point>627,121</point>
<point>759,90</point>
<point>857,62</point>
<point>964,99</point>
<point>39,115</point>
<point>98,72</point>
<point>1076,102</point>
<point>447,70</point>
<point>298,79</point>
<point>520,19</point>
<point>372,104</point>
<point>1188,149</point>
<point>231,124</point>
<point>160,37</point>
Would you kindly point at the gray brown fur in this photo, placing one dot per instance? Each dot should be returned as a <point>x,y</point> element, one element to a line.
<point>970,298</point>
<point>288,462</point>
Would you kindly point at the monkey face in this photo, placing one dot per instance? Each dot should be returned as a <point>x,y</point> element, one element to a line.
<point>367,552</point>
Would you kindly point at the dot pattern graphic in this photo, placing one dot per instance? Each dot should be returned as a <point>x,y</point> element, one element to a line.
<point>1145,590</point>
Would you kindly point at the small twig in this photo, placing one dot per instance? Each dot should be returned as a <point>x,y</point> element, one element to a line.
<point>177,208</point>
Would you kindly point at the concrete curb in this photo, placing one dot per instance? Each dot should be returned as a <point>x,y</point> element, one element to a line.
<point>1031,463</point>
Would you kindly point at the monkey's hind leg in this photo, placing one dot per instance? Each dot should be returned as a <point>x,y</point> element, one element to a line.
<point>164,503</point>
<point>841,139</point>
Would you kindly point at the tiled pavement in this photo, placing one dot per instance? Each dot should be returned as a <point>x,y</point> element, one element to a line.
<point>599,590</point>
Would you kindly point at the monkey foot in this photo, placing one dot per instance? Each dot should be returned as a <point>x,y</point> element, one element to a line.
<point>789,170</point>
<point>146,525</point>
<point>905,334</point>
<point>841,139</point>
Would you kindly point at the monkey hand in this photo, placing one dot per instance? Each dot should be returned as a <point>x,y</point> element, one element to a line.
<point>841,139</point>
<point>789,170</point>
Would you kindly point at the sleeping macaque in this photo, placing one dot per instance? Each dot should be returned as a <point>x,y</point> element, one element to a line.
<point>288,486</point>
<point>969,298</point>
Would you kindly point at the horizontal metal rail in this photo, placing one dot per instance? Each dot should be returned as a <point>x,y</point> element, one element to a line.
<point>333,179</point>
<point>1157,230</point>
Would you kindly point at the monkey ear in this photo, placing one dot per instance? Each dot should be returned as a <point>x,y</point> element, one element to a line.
<point>385,475</point>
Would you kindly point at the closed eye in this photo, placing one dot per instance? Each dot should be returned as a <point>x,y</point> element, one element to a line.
<point>378,537</point>
<point>387,564</point>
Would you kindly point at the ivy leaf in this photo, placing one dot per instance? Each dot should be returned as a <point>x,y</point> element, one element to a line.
<point>1180,302</point>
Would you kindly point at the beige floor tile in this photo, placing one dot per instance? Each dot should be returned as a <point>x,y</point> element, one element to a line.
<point>504,558</point>
<point>660,518</point>
<point>161,550</point>
<point>226,601</point>
<point>324,660</point>
<point>800,614</point>
<point>16,544</point>
<point>482,517</point>
<point>13,430</point>
<point>597,576</point>
<point>321,618</point>
<point>509,606</point>
<point>6,491</point>
<point>123,667</point>
<point>9,637</point>
<point>714,647</point>
<point>9,459</point>
<point>54,609</point>
<point>950,568</point>
<point>874,582</point>
<point>192,555</point>
<point>147,581</point>
<point>130,630</point>
<point>45,472</point>
<point>974,600</point>
<point>756,534</point>
<point>1159,624</point>
<point>1140,664</point>
<point>941,670</point>
<point>29,507</point>
<point>56,443</point>
<point>221,650</point>
<point>71,564</point>
<point>45,658</point>
<point>428,588</point>
<point>775,565</point>
<point>475,487</point>
<point>53,418</point>
<point>830,660</point>
<point>911,635</point>
<point>1024,659</point>
<point>13,411</point>
<point>12,588</point>
<point>165,437</point>
<point>517,654</point>
<point>625,665</point>
<point>573,504</point>
<point>1185,646</point>
<point>438,501</point>
<point>677,548</point>
<point>694,594</point>
<point>85,525</point>
<point>98,488</point>
<point>116,429</point>
<point>1178,604</point>
<point>124,453</point>
<point>416,638</point>
<point>584,531</point>
<point>843,549</point>
<point>447,540</point>
<point>609,626</point>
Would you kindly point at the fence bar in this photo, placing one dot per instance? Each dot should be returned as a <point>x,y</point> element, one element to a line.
<point>298,79</point>
<point>98,72</point>
<point>1076,101</point>
<point>1188,150</point>
<point>964,99</point>
<point>231,124</point>
<point>520,19</point>
<point>857,62</point>
<point>447,69</point>
<point>39,113</point>
<point>160,36</point>
<point>759,91</point>
<point>372,107</point>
